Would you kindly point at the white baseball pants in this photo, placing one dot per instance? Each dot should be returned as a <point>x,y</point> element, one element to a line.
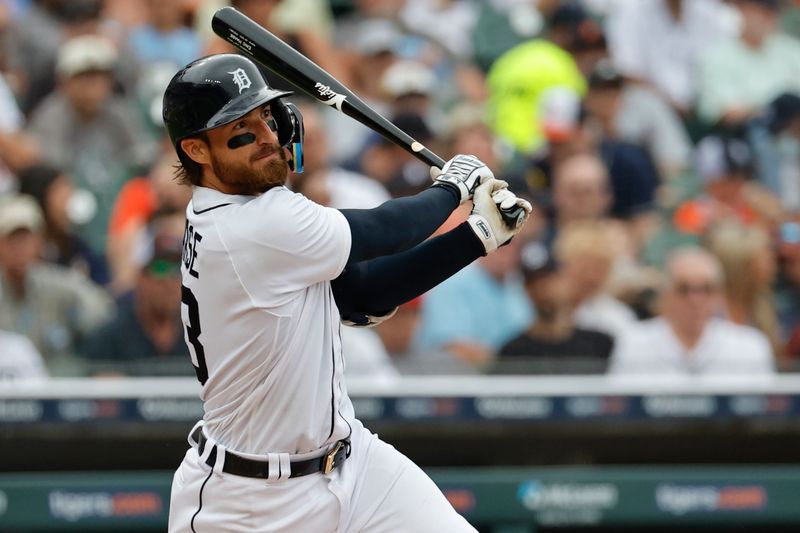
<point>376,490</point>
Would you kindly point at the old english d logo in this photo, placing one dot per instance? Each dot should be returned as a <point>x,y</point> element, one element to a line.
<point>240,79</point>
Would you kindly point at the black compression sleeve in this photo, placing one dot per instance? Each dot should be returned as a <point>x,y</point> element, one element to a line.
<point>398,224</point>
<point>377,286</point>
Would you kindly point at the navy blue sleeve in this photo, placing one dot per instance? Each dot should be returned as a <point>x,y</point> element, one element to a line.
<point>376,287</point>
<point>399,224</point>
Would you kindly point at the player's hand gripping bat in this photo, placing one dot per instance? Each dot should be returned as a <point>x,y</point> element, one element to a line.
<point>268,50</point>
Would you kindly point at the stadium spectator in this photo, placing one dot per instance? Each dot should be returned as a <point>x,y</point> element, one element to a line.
<point>82,18</point>
<point>53,191</point>
<point>453,313</point>
<point>365,354</point>
<point>749,268</point>
<point>520,77</point>
<point>305,25</point>
<point>164,37</point>
<point>139,200</point>
<point>787,293</point>
<point>739,76</point>
<point>468,132</point>
<point>400,172</point>
<point>397,336</point>
<point>126,14</point>
<point>35,37</point>
<point>569,129</point>
<point>325,182</point>
<point>410,87</point>
<point>502,25</point>
<point>447,48</point>
<point>147,323</point>
<point>38,35</point>
<point>553,343</point>
<point>774,136</point>
<point>581,192</point>
<point>455,35</point>
<point>637,114</point>
<point>19,359</point>
<point>687,338</point>
<point>90,133</point>
<point>659,42</point>
<point>372,46</point>
<point>17,148</point>
<point>725,166</point>
<point>586,252</point>
<point>52,305</point>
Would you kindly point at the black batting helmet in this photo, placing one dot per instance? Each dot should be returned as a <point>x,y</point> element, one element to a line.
<point>218,89</point>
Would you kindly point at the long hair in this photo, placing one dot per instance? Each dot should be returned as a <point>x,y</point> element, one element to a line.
<point>737,247</point>
<point>188,171</point>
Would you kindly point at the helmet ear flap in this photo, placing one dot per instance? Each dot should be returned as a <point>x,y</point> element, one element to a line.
<point>290,130</point>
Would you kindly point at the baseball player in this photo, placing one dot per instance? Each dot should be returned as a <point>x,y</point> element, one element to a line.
<point>268,276</point>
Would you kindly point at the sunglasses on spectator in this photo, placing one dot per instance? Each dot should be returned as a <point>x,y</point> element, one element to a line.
<point>684,288</point>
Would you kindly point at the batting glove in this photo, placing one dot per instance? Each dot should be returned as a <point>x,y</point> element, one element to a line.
<point>486,221</point>
<point>464,172</point>
<point>363,320</point>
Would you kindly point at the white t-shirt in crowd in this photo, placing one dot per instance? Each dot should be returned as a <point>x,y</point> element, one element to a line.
<point>606,314</point>
<point>19,359</point>
<point>651,348</point>
<point>646,42</point>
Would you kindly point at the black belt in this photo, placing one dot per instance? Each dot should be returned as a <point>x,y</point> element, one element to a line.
<point>241,466</point>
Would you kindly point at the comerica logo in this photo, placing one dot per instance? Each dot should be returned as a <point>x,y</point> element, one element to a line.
<point>541,496</point>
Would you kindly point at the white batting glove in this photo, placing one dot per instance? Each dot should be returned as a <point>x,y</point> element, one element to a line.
<point>486,220</point>
<point>507,202</point>
<point>465,172</point>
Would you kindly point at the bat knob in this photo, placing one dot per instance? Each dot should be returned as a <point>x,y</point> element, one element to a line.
<point>513,217</point>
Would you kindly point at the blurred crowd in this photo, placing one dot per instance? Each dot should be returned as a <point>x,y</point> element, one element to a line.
<point>658,139</point>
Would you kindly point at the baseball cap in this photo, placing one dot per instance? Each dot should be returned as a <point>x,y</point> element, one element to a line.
<point>584,32</point>
<point>605,75</point>
<point>376,36</point>
<point>413,124</point>
<point>721,156</point>
<point>782,111</point>
<point>19,211</point>
<point>87,53</point>
<point>408,77</point>
<point>536,261</point>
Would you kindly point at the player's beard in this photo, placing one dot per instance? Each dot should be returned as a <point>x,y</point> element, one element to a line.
<point>255,176</point>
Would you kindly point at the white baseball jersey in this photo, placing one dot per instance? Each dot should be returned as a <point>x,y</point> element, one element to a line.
<point>261,322</point>
<point>263,331</point>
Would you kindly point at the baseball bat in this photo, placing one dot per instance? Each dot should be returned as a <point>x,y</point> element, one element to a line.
<point>267,49</point>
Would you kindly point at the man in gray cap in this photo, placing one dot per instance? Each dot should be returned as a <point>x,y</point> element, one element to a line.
<point>51,305</point>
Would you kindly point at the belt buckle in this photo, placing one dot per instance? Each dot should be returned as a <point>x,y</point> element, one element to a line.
<point>330,457</point>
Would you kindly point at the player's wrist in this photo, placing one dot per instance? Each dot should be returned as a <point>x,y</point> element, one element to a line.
<point>483,231</point>
<point>458,193</point>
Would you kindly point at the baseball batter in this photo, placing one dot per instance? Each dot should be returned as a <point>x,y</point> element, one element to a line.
<point>268,277</point>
